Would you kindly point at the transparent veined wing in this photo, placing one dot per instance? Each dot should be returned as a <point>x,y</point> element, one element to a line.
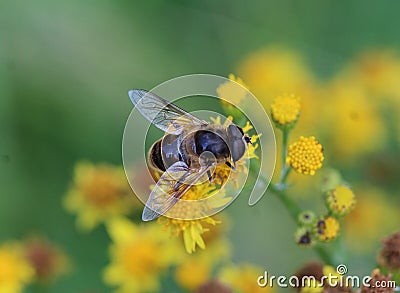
<point>163,114</point>
<point>172,185</point>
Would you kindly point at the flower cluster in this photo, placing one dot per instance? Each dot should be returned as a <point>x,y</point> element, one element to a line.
<point>285,110</point>
<point>362,97</point>
<point>305,155</point>
<point>350,119</point>
<point>139,255</point>
<point>375,284</point>
<point>32,261</point>
<point>195,254</point>
<point>339,201</point>
<point>389,255</point>
<point>382,279</point>
<point>15,270</point>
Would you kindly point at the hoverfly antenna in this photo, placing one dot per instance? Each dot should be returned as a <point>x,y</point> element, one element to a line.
<point>247,139</point>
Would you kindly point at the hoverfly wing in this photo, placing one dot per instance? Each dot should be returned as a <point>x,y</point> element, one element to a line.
<point>163,114</point>
<point>170,188</point>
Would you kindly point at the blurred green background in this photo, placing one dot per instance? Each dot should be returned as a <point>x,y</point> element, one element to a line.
<point>65,71</point>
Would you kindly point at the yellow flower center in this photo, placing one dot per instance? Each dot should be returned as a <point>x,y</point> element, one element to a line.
<point>341,200</point>
<point>100,189</point>
<point>305,155</point>
<point>286,109</point>
<point>14,270</point>
<point>140,259</point>
<point>242,279</point>
<point>191,274</point>
<point>328,228</point>
<point>312,286</point>
<point>8,268</point>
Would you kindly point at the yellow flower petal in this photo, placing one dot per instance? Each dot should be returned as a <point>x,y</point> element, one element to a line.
<point>121,230</point>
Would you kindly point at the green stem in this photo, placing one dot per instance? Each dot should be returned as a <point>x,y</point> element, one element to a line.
<point>294,211</point>
<point>285,174</point>
<point>284,169</point>
<point>279,190</point>
<point>292,207</point>
<point>323,254</point>
<point>289,203</point>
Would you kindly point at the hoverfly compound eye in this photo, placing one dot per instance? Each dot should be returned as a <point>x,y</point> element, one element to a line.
<point>237,149</point>
<point>247,139</point>
<point>237,146</point>
<point>240,129</point>
<point>235,131</point>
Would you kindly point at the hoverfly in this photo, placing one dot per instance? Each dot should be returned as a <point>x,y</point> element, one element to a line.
<point>178,154</point>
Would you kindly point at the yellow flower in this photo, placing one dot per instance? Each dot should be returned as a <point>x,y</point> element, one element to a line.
<point>305,155</point>
<point>139,254</point>
<point>275,70</point>
<point>48,260</point>
<point>356,126</point>
<point>374,216</point>
<point>98,193</point>
<point>286,109</point>
<point>193,230</point>
<point>312,286</point>
<point>232,91</point>
<point>341,200</point>
<point>196,269</point>
<point>243,278</point>
<point>331,271</point>
<point>377,71</point>
<point>328,228</point>
<point>191,274</point>
<point>15,270</point>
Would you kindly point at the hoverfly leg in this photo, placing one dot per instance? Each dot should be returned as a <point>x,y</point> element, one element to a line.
<point>177,185</point>
<point>230,165</point>
<point>221,179</point>
<point>211,177</point>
